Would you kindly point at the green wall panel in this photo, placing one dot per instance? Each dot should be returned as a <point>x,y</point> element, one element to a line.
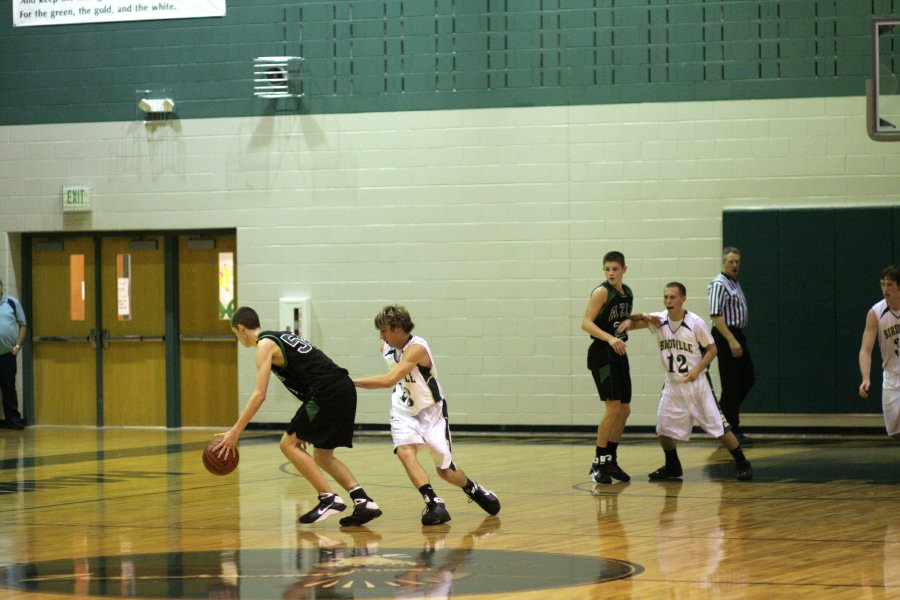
<point>864,242</point>
<point>810,277</point>
<point>805,311</point>
<point>488,53</point>
<point>756,234</point>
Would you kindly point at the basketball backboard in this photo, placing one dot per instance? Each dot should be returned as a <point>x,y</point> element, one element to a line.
<point>883,91</point>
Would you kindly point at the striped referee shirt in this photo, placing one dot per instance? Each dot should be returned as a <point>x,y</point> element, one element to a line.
<point>726,298</point>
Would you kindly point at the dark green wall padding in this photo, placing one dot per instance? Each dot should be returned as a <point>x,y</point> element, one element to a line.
<point>395,55</point>
<point>810,277</point>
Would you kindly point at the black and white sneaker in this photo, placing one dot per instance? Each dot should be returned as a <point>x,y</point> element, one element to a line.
<point>435,513</point>
<point>329,504</point>
<point>486,499</point>
<point>616,472</point>
<point>600,472</point>
<point>666,472</point>
<point>364,510</point>
<point>744,471</point>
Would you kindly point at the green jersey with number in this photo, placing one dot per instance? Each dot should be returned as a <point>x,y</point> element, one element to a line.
<point>617,308</point>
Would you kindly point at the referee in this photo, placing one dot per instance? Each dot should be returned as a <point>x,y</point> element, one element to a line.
<point>728,310</point>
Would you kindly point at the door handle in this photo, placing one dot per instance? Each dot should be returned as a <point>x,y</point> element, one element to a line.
<point>204,337</point>
<point>107,338</point>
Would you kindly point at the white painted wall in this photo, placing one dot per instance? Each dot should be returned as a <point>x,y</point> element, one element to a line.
<point>488,224</point>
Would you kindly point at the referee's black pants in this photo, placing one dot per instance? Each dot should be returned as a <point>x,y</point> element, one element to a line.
<point>8,369</point>
<point>736,374</point>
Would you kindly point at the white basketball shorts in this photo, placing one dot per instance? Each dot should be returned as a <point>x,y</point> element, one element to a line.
<point>428,428</point>
<point>683,404</point>
<point>890,402</point>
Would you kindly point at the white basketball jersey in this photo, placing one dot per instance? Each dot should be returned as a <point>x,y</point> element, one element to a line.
<point>680,343</point>
<point>889,342</point>
<point>420,388</point>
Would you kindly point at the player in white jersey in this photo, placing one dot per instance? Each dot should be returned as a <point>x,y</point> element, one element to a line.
<point>883,323</point>
<point>686,348</point>
<point>419,414</point>
<point>420,389</point>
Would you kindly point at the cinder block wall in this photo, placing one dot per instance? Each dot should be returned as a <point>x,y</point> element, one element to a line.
<point>489,224</point>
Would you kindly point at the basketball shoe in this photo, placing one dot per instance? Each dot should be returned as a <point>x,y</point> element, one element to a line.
<point>744,471</point>
<point>600,471</point>
<point>667,472</point>
<point>329,504</point>
<point>364,510</point>
<point>486,499</point>
<point>435,513</point>
<point>616,472</point>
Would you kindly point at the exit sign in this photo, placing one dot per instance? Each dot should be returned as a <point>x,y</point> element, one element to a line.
<point>76,198</point>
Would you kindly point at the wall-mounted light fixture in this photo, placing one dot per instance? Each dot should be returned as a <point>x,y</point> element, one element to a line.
<point>155,105</point>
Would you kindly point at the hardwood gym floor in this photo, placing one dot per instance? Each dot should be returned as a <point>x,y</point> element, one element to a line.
<point>133,513</point>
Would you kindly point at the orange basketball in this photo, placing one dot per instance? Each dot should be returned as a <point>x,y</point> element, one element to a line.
<point>216,465</point>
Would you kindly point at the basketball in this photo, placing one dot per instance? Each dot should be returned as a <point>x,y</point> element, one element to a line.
<point>216,465</point>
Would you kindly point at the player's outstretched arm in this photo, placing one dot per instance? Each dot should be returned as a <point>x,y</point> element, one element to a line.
<point>644,320</point>
<point>627,324</point>
<point>413,356</point>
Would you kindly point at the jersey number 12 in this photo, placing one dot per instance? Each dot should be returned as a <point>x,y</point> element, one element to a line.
<point>679,361</point>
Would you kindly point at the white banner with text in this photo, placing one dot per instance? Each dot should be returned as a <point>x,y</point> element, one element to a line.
<point>28,13</point>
